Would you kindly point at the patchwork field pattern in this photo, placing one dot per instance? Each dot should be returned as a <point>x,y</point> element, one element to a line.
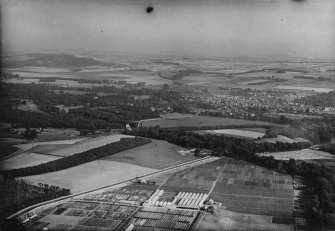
<point>197,179</point>
<point>246,188</point>
<point>242,188</point>
<point>110,210</point>
<point>148,218</point>
<point>253,198</point>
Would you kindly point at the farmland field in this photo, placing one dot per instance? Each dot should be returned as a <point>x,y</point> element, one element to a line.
<point>25,160</point>
<point>157,154</point>
<point>304,154</point>
<point>41,152</point>
<point>316,89</point>
<point>112,209</point>
<point>69,147</point>
<point>236,221</point>
<point>12,141</point>
<point>233,132</point>
<point>57,134</point>
<point>90,175</point>
<point>244,190</point>
<point>31,145</point>
<point>196,179</point>
<point>198,121</point>
<point>80,146</point>
<point>29,106</point>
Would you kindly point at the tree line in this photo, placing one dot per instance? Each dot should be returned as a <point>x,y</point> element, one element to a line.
<point>18,194</point>
<point>77,159</point>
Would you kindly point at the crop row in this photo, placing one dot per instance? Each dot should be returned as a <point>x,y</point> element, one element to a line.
<point>161,216</point>
<point>92,222</point>
<point>161,224</point>
<point>180,212</point>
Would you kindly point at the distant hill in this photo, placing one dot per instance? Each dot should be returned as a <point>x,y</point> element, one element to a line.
<point>176,74</point>
<point>51,60</point>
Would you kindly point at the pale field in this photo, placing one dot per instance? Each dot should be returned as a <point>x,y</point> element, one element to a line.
<point>209,222</point>
<point>29,106</point>
<point>58,134</point>
<point>41,74</point>
<point>57,83</point>
<point>90,175</point>
<point>198,121</point>
<point>255,81</point>
<point>304,154</point>
<point>86,144</point>
<point>42,70</point>
<point>12,140</point>
<point>48,148</point>
<point>236,132</point>
<point>157,154</point>
<point>25,160</point>
<point>175,115</point>
<point>260,74</point>
<point>316,89</point>
<point>31,145</point>
<point>23,81</point>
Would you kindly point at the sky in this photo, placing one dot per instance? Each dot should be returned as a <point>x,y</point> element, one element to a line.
<point>187,28</point>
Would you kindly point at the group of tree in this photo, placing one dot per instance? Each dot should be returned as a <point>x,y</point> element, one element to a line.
<point>220,145</point>
<point>329,147</point>
<point>18,194</point>
<point>315,130</point>
<point>319,100</point>
<point>77,159</point>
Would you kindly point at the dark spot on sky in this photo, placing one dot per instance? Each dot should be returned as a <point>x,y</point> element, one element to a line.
<point>150,9</point>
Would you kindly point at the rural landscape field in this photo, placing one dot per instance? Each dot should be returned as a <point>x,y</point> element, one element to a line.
<point>167,115</point>
<point>241,196</point>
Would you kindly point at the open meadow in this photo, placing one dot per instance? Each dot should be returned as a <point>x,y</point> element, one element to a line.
<point>198,121</point>
<point>34,144</point>
<point>35,153</point>
<point>234,133</point>
<point>25,160</point>
<point>157,154</point>
<point>50,134</point>
<point>80,146</point>
<point>90,175</point>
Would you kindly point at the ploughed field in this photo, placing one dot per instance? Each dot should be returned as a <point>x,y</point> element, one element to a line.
<point>246,188</point>
<point>242,188</point>
<point>234,133</point>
